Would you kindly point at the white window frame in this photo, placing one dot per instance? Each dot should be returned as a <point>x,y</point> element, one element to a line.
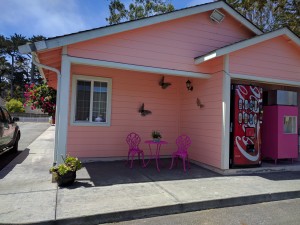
<point>75,78</point>
<point>294,127</point>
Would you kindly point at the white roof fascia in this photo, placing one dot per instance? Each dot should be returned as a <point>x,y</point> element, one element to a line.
<point>109,30</point>
<point>26,49</point>
<point>40,45</point>
<point>243,44</point>
<point>41,71</point>
<point>131,67</point>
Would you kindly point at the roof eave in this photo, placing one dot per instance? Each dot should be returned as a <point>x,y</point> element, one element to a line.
<point>101,32</point>
<point>243,44</point>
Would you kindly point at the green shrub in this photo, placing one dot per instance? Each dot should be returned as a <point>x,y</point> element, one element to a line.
<point>70,164</point>
<point>14,106</point>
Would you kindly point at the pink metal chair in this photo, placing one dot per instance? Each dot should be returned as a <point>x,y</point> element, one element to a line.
<point>183,142</point>
<point>133,140</point>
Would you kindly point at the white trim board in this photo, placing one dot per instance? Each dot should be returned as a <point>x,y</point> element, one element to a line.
<point>104,31</point>
<point>264,79</point>
<point>225,114</point>
<point>147,69</point>
<point>249,42</point>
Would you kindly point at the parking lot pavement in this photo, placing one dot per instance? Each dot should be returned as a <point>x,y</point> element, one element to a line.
<point>29,132</point>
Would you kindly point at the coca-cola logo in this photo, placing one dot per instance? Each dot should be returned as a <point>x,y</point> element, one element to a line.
<point>241,144</point>
<point>242,91</point>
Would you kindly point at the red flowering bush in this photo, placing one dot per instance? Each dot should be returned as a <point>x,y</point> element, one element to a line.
<point>41,97</point>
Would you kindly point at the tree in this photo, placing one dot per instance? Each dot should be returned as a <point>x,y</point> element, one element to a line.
<point>35,76</point>
<point>4,74</point>
<point>16,69</point>
<point>136,10</point>
<point>9,47</point>
<point>270,15</point>
<point>288,14</point>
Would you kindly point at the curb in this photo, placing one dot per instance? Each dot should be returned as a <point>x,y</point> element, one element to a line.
<point>171,209</point>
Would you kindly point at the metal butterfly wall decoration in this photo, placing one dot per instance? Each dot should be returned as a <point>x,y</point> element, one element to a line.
<point>199,104</point>
<point>143,111</point>
<point>163,84</point>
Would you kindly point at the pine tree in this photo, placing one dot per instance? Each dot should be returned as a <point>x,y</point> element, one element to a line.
<point>270,15</point>
<point>136,10</point>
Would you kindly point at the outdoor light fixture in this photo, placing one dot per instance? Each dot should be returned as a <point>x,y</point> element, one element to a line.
<point>211,56</point>
<point>217,16</point>
<point>189,85</point>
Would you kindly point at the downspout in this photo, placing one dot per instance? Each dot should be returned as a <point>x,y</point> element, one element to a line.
<point>39,65</point>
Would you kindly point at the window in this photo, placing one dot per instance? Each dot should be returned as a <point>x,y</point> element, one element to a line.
<point>91,101</point>
<point>290,124</point>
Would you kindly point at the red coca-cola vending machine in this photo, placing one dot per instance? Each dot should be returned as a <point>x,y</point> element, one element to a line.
<point>245,132</point>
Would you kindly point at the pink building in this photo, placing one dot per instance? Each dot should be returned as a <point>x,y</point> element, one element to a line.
<point>103,76</point>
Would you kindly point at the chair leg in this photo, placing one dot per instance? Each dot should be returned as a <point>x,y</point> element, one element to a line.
<point>183,161</point>
<point>132,157</point>
<point>143,158</point>
<point>172,162</point>
<point>139,158</point>
<point>187,158</point>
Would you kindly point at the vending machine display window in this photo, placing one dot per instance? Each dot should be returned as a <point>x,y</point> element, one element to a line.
<point>290,124</point>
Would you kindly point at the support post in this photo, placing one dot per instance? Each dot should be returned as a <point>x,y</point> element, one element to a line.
<point>63,113</point>
<point>225,114</point>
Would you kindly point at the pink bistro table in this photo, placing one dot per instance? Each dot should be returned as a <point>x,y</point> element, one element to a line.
<point>156,156</point>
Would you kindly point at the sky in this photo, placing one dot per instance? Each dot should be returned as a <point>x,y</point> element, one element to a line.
<point>52,18</point>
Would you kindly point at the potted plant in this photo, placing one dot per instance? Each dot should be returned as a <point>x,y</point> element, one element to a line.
<point>156,136</point>
<point>65,173</point>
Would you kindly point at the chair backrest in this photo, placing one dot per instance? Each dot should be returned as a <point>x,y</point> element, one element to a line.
<point>133,140</point>
<point>183,142</point>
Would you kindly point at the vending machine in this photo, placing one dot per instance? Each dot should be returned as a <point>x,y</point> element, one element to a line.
<point>245,124</point>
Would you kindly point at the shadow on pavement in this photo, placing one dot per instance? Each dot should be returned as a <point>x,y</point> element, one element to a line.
<point>18,158</point>
<point>279,176</point>
<point>117,172</point>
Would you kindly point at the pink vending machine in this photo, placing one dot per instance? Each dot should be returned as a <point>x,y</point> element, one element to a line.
<point>245,136</point>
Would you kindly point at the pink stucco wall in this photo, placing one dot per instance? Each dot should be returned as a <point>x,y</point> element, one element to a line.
<point>172,45</point>
<point>174,112</point>
<point>204,125</point>
<point>129,90</point>
<point>277,58</point>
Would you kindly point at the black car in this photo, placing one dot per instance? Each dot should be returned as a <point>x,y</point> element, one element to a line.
<point>9,132</point>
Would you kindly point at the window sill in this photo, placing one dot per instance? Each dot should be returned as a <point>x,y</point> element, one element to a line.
<point>90,124</point>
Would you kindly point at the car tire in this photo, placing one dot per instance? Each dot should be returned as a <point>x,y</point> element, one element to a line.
<point>16,144</point>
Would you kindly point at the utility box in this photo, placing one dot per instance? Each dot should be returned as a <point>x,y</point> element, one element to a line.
<point>279,132</point>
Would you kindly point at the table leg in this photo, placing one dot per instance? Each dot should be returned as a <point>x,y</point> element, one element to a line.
<point>151,155</point>
<point>157,157</point>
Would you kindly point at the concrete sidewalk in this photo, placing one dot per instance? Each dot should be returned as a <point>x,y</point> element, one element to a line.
<point>109,191</point>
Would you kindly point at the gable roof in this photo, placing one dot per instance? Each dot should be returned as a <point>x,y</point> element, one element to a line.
<point>246,43</point>
<point>130,25</point>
